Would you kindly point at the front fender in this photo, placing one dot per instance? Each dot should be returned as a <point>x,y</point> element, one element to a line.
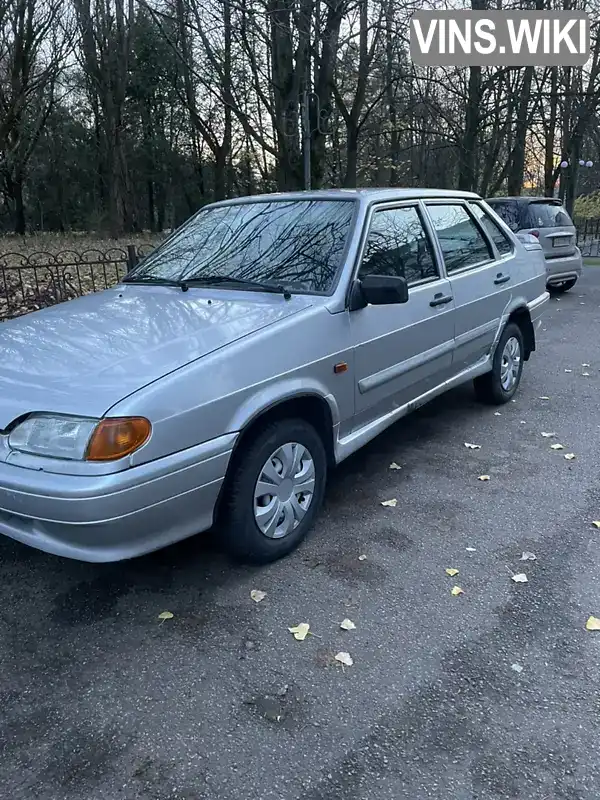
<point>267,397</point>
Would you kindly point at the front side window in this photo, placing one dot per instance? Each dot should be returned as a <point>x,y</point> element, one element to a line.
<point>297,244</point>
<point>460,240</point>
<point>499,238</point>
<point>398,246</point>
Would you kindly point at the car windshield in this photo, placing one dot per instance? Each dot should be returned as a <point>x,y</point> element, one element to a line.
<point>546,215</point>
<point>297,245</point>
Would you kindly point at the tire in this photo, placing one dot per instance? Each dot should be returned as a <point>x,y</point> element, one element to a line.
<point>275,448</point>
<point>561,288</point>
<point>490,388</point>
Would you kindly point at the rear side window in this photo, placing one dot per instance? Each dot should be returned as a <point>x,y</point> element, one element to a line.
<point>546,215</point>
<point>508,211</point>
<point>461,242</point>
<point>398,246</point>
<point>499,238</point>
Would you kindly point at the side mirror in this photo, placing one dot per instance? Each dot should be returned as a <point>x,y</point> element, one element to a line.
<point>378,290</point>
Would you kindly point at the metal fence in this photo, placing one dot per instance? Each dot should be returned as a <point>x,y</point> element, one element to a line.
<point>32,281</point>
<point>588,237</point>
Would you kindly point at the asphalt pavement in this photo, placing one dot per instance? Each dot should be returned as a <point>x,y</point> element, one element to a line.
<point>489,694</point>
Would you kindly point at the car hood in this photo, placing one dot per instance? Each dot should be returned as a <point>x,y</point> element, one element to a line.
<point>83,356</point>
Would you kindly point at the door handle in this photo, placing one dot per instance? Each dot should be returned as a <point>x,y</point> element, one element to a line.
<point>500,278</point>
<point>440,300</point>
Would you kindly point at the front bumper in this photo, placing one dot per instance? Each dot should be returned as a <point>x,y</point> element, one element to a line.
<point>116,516</point>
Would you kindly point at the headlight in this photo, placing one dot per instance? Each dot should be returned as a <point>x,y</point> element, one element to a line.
<point>79,438</point>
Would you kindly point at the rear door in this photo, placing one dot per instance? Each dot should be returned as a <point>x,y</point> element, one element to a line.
<point>548,220</point>
<point>401,351</point>
<point>479,271</point>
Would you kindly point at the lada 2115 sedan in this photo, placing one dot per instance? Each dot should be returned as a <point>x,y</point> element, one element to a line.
<point>261,344</point>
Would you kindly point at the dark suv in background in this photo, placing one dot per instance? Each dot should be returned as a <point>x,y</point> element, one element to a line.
<point>547,220</point>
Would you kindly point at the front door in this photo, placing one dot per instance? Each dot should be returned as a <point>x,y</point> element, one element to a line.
<point>401,351</point>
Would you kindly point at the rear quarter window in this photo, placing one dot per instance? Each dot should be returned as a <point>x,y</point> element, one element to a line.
<point>546,215</point>
<point>508,211</point>
<point>500,239</point>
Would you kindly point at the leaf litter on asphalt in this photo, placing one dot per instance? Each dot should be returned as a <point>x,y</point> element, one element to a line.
<point>516,667</point>
<point>471,549</point>
<point>451,571</point>
<point>483,478</point>
<point>470,446</point>
<point>570,456</point>
<point>345,659</point>
<point>456,590</point>
<point>527,556</point>
<point>547,435</point>
<point>164,615</point>
<point>393,465</point>
<point>390,503</point>
<point>347,625</point>
<point>362,557</point>
<point>300,631</point>
<point>557,447</point>
<point>257,595</point>
<point>520,578</point>
<point>596,523</point>
<point>592,624</point>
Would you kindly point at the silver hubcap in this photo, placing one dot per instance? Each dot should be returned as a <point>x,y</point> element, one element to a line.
<point>511,363</point>
<point>284,490</point>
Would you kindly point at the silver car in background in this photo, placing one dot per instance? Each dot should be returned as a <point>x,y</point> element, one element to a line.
<point>545,218</point>
<point>262,343</point>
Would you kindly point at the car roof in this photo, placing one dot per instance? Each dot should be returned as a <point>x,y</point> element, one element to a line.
<point>364,195</point>
<point>527,199</point>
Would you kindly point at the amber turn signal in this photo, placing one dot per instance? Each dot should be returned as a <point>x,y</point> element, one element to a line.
<point>117,437</point>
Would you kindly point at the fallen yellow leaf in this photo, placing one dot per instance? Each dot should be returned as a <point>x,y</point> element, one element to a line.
<point>345,659</point>
<point>165,615</point>
<point>470,446</point>
<point>393,465</point>
<point>556,447</point>
<point>596,523</point>
<point>483,478</point>
<point>347,625</point>
<point>593,624</point>
<point>390,503</point>
<point>300,631</point>
<point>257,595</point>
<point>456,590</point>
<point>570,456</point>
<point>452,572</point>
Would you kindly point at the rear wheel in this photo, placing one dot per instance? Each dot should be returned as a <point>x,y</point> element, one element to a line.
<point>560,288</point>
<point>274,492</point>
<point>499,385</point>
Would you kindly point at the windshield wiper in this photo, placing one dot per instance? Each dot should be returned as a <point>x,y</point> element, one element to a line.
<point>156,281</point>
<point>216,279</point>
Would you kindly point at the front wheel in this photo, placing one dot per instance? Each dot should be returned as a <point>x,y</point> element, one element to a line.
<point>499,385</point>
<point>274,492</point>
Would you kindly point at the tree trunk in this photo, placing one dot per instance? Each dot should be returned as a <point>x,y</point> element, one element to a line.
<point>467,178</point>
<point>517,161</point>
